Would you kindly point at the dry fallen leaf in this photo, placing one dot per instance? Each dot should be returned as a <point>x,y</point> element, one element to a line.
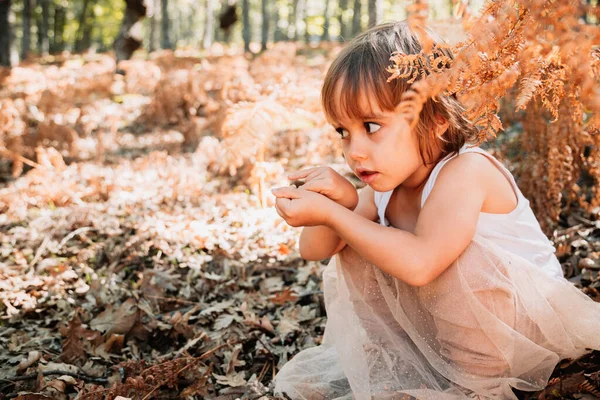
<point>118,321</point>
<point>287,295</point>
<point>31,359</point>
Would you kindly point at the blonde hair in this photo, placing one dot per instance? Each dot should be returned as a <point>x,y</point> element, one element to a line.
<point>362,67</point>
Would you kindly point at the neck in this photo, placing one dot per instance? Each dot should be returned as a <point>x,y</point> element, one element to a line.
<point>417,180</point>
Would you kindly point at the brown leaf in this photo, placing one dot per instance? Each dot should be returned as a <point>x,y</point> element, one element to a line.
<point>118,321</point>
<point>31,359</point>
<point>77,341</point>
<point>283,297</point>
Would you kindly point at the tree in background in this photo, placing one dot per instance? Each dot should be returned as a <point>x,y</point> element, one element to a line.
<point>356,23</point>
<point>78,25</point>
<point>278,34</point>
<point>60,21</point>
<point>153,34</point>
<point>298,11</point>
<point>26,39</point>
<point>209,29</point>
<point>83,31</point>
<point>264,6</point>
<point>43,28</point>
<point>375,12</point>
<point>5,33</point>
<point>325,35</point>
<point>342,12</point>
<point>246,23</point>
<point>228,18</point>
<point>306,24</point>
<point>127,42</point>
<point>165,41</point>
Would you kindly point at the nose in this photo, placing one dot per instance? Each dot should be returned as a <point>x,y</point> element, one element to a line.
<point>358,148</point>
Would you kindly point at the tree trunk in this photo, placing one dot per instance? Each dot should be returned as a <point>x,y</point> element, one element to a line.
<point>126,43</point>
<point>165,41</point>
<point>264,33</point>
<point>88,26</point>
<point>278,34</point>
<point>291,28</point>
<point>153,37</point>
<point>375,12</point>
<point>356,25</point>
<point>43,28</point>
<point>58,41</point>
<point>299,11</point>
<point>209,26</point>
<point>219,34</point>
<point>5,33</point>
<point>82,26</point>
<point>99,42</point>
<point>305,17</point>
<point>26,42</point>
<point>325,35</point>
<point>246,23</point>
<point>227,18</point>
<point>343,7</point>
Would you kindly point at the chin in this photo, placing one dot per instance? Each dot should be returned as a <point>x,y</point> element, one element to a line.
<point>378,187</point>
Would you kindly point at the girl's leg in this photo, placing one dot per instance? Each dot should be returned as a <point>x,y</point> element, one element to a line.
<point>473,290</point>
<point>365,294</point>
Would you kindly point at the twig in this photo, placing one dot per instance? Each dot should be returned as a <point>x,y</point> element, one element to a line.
<point>175,299</point>
<point>5,152</point>
<point>40,251</point>
<point>84,377</point>
<point>210,352</point>
<point>263,371</point>
<point>72,234</point>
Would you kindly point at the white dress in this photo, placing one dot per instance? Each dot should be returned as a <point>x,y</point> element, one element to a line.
<point>500,317</point>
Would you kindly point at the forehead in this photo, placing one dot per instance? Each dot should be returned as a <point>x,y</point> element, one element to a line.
<point>353,101</point>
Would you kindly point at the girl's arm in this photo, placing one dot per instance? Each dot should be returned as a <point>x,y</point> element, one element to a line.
<point>320,242</point>
<point>445,227</point>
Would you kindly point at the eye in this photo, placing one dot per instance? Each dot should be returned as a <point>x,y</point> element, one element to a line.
<point>371,127</point>
<point>343,133</point>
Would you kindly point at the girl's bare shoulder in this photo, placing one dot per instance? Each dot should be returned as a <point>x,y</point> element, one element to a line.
<point>478,170</point>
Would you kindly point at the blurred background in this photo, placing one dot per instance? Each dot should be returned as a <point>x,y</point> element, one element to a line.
<point>42,27</point>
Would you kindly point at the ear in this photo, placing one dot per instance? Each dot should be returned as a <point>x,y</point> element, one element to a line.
<point>441,125</point>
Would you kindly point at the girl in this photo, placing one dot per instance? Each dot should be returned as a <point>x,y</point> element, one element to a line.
<point>455,292</point>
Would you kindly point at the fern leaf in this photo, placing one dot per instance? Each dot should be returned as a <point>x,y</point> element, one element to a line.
<point>527,90</point>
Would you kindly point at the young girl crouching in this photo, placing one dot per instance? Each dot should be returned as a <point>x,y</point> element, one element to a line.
<point>441,282</point>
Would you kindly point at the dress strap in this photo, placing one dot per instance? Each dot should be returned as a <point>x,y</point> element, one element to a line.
<point>436,171</point>
<point>381,201</point>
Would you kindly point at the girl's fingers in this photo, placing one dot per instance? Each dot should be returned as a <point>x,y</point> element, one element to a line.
<point>283,205</point>
<point>287,192</point>
<point>279,210</point>
<point>302,173</point>
<point>314,186</point>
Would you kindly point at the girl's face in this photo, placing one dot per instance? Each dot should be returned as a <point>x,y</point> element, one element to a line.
<point>381,148</point>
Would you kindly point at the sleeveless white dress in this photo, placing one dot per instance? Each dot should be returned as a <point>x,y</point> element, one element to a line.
<point>500,317</point>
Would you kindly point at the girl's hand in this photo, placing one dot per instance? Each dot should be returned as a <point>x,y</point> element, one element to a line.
<point>326,181</point>
<point>300,207</point>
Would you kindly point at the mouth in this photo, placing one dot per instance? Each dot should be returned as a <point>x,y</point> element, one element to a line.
<point>366,175</point>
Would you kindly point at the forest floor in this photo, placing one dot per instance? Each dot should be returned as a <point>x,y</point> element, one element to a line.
<point>137,270</point>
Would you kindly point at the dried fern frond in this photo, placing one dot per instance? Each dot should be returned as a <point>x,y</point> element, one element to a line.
<point>412,101</point>
<point>407,66</point>
<point>247,129</point>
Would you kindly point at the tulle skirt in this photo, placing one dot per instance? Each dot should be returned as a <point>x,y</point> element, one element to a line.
<point>491,322</point>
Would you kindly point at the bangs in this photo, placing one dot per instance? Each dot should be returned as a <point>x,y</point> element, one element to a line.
<point>356,84</point>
